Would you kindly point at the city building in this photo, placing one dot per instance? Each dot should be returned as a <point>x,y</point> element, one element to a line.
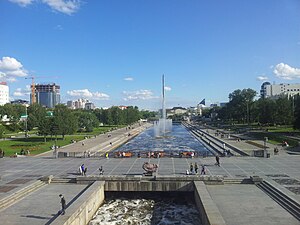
<point>4,93</point>
<point>47,95</point>
<point>20,102</point>
<point>80,104</point>
<point>269,90</point>
<point>89,105</point>
<point>176,111</point>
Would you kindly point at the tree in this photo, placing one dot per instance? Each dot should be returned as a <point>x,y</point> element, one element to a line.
<point>296,123</point>
<point>283,113</point>
<point>45,127</point>
<point>240,103</point>
<point>65,121</point>
<point>36,113</point>
<point>266,108</point>
<point>87,120</point>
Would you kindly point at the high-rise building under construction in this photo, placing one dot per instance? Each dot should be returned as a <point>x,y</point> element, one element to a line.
<point>47,95</point>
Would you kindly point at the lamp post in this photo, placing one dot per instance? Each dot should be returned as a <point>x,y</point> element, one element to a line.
<point>265,147</point>
<point>26,119</point>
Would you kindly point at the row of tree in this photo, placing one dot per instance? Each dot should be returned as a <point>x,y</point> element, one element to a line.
<point>244,108</point>
<point>62,120</point>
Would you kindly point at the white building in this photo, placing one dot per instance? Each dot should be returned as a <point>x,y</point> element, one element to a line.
<point>269,90</point>
<point>80,104</point>
<point>4,93</point>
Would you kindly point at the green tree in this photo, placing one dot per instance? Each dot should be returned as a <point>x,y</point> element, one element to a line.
<point>65,122</point>
<point>296,123</point>
<point>283,113</point>
<point>36,113</point>
<point>46,127</point>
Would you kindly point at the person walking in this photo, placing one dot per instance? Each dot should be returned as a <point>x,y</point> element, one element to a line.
<point>191,168</point>
<point>63,204</point>
<point>217,160</point>
<point>203,170</point>
<point>196,167</point>
<point>82,169</point>
<point>101,170</point>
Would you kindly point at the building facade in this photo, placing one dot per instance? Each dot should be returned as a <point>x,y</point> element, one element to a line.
<point>269,90</point>
<point>4,93</point>
<point>47,95</point>
<point>80,104</point>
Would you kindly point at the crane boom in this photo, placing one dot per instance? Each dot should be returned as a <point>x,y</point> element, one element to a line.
<point>33,96</point>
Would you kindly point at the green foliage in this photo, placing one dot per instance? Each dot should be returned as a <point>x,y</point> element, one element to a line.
<point>65,121</point>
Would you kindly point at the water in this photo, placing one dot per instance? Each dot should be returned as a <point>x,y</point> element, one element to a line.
<point>162,127</point>
<point>158,211</point>
<point>179,139</point>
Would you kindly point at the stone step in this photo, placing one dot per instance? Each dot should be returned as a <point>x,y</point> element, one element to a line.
<point>63,180</point>
<point>233,181</point>
<point>13,198</point>
<point>291,205</point>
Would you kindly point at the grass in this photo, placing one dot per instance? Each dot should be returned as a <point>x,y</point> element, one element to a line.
<point>35,145</point>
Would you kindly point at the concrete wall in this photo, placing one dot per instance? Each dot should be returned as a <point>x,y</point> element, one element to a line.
<point>209,212</point>
<point>155,183</point>
<point>82,210</point>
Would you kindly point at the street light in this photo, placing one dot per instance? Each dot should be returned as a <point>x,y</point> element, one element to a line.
<point>265,147</point>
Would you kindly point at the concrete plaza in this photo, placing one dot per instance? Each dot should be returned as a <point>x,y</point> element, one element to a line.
<point>41,206</point>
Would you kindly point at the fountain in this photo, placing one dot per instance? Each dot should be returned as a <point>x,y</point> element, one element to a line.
<point>163,125</point>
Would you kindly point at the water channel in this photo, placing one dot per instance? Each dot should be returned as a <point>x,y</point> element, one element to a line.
<point>174,142</point>
<point>150,208</point>
<point>143,209</point>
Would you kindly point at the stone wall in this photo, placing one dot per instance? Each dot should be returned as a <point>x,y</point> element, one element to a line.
<point>83,209</point>
<point>209,212</point>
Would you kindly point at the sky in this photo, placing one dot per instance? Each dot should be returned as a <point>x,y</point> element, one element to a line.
<point>114,52</point>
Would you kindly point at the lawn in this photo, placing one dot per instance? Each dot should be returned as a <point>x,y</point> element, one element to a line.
<point>35,145</point>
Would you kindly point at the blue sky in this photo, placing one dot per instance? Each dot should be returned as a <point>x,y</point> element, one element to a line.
<point>114,52</point>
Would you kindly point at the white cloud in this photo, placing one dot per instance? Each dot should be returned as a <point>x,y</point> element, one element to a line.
<point>128,78</point>
<point>85,93</point>
<point>286,72</point>
<point>262,78</point>
<point>19,92</point>
<point>64,6</point>
<point>168,88</point>
<point>22,3</point>
<point>10,68</point>
<point>138,95</point>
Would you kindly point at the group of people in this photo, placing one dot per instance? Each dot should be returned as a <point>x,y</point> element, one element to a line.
<point>82,170</point>
<point>194,169</point>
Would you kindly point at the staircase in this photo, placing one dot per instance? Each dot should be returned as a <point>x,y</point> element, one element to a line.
<point>13,198</point>
<point>57,180</point>
<point>292,206</point>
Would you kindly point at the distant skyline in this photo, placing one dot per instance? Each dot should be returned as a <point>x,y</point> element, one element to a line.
<point>115,52</point>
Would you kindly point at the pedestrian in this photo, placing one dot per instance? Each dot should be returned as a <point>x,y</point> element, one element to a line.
<point>217,160</point>
<point>101,171</point>
<point>191,168</point>
<point>63,204</point>
<point>203,170</point>
<point>106,155</point>
<point>82,169</point>
<point>82,143</point>
<point>196,167</point>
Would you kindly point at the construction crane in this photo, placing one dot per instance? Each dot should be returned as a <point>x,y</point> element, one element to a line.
<point>33,97</point>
